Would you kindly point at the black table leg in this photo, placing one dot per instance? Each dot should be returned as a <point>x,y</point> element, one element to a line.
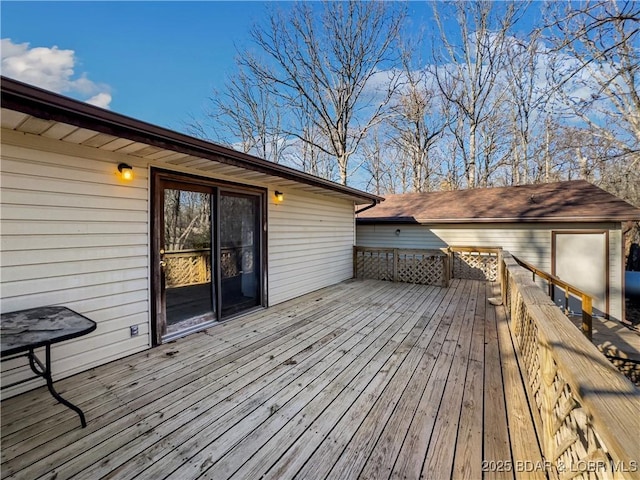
<point>45,372</point>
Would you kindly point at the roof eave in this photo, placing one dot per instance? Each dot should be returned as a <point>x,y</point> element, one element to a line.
<point>41,103</point>
<point>431,221</point>
<point>592,219</point>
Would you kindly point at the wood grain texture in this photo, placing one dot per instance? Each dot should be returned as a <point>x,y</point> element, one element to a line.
<point>73,234</point>
<point>365,379</point>
<point>584,409</point>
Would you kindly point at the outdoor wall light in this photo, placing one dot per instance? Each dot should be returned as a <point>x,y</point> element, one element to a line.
<point>398,232</point>
<point>279,196</point>
<point>126,171</point>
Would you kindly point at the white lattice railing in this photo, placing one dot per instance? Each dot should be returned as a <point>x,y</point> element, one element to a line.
<point>587,413</point>
<point>426,267</point>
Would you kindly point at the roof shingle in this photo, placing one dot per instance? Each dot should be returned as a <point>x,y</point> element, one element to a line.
<point>570,201</point>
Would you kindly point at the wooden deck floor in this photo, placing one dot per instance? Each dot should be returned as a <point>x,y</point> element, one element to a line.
<point>365,379</point>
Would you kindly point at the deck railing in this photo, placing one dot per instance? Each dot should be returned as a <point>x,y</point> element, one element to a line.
<point>475,263</point>
<point>193,267</point>
<point>187,267</point>
<point>568,289</point>
<point>425,267</point>
<point>587,413</point>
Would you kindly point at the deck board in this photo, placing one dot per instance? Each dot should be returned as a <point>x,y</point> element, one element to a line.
<point>365,379</point>
<point>440,453</point>
<point>412,454</point>
<point>497,450</point>
<point>468,459</point>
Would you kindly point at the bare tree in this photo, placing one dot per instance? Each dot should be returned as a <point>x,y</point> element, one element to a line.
<point>331,66</point>
<point>596,80</point>
<point>245,116</point>
<point>494,152</point>
<point>187,219</point>
<point>527,112</point>
<point>380,175</point>
<point>305,154</point>
<point>468,66</point>
<point>417,121</point>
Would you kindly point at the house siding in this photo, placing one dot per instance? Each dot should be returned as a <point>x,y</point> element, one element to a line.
<point>310,244</point>
<point>529,242</point>
<point>73,234</point>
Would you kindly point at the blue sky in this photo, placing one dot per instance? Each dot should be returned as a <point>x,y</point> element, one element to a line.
<point>158,60</point>
<point>154,61</point>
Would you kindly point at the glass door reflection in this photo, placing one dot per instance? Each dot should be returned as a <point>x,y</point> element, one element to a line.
<point>240,266</point>
<point>186,259</point>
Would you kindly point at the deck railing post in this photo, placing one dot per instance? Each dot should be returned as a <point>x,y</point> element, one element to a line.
<point>355,262</point>
<point>500,266</point>
<point>446,272</point>
<point>504,279</point>
<point>587,316</point>
<point>395,264</point>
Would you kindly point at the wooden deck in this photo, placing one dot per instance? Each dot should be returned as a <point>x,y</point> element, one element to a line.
<point>365,379</point>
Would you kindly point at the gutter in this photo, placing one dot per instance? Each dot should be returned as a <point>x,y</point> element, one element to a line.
<point>437,221</point>
<point>373,204</point>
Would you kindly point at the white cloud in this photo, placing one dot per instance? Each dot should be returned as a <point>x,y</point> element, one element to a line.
<point>51,69</point>
<point>100,100</point>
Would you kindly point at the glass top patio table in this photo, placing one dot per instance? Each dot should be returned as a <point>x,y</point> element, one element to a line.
<point>23,331</point>
<point>37,327</point>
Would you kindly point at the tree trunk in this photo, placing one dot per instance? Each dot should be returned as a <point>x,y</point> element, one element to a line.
<point>471,167</point>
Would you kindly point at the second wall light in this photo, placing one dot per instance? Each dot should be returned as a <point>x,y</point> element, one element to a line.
<point>126,171</point>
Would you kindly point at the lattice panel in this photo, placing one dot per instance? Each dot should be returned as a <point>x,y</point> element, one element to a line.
<point>235,261</point>
<point>187,269</point>
<point>193,268</point>
<point>475,266</point>
<point>421,269</point>
<point>376,265</point>
<point>630,368</point>
<point>410,266</point>
<point>229,264</point>
<point>568,438</point>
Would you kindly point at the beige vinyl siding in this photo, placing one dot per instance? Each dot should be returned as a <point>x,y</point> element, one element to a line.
<point>74,235</point>
<point>529,242</point>
<point>616,273</point>
<point>310,244</point>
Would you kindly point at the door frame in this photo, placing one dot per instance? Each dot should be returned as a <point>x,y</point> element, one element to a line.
<point>605,254</point>
<point>158,176</point>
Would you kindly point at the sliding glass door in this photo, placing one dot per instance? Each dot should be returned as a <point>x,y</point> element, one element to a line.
<point>208,252</point>
<point>186,258</point>
<point>239,252</point>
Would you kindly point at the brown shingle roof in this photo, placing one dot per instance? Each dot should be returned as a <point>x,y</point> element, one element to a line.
<point>571,201</point>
